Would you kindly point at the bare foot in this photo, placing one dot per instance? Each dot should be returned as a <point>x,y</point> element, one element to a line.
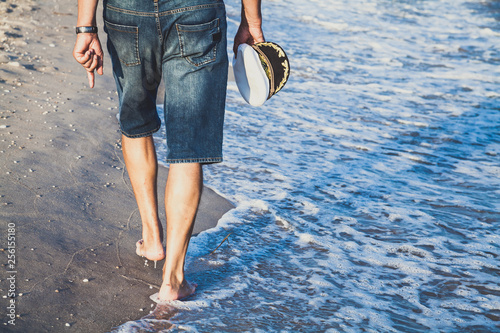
<point>169,292</point>
<point>154,252</point>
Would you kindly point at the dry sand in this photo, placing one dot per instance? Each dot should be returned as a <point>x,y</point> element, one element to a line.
<point>64,186</point>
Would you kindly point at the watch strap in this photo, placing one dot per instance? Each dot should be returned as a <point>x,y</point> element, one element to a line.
<point>85,30</point>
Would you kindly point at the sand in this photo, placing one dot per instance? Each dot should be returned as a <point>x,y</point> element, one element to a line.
<point>65,197</point>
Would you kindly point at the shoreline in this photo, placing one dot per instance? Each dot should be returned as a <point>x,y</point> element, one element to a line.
<point>64,191</point>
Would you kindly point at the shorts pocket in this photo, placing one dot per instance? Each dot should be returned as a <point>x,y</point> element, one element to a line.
<point>124,41</point>
<point>198,43</point>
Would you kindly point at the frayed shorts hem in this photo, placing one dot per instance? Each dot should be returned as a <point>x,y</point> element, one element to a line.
<point>206,160</point>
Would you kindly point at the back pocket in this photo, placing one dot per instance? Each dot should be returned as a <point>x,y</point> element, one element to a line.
<point>124,41</point>
<point>198,42</point>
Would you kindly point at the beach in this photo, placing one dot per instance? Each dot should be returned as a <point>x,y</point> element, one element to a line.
<point>364,196</point>
<point>69,221</point>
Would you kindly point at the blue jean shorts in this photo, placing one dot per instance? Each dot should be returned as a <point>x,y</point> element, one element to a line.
<point>184,42</point>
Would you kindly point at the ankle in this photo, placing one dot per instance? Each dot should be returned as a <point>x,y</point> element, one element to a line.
<point>151,239</point>
<point>152,234</point>
<point>173,280</point>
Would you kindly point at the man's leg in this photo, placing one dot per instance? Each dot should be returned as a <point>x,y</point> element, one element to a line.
<point>182,196</point>
<point>142,167</point>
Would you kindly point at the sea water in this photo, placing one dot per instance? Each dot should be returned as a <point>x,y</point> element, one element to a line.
<point>367,191</point>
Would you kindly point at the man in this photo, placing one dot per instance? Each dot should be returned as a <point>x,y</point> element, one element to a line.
<point>185,41</point>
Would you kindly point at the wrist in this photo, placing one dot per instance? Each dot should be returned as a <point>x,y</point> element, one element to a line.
<point>251,25</point>
<point>251,18</point>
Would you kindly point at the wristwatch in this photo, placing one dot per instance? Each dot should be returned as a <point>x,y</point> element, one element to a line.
<point>85,30</point>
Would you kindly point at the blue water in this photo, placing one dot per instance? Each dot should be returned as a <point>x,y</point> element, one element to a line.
<point>368,189</point>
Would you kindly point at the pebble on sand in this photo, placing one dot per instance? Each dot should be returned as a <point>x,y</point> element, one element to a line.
<point>4,59</point>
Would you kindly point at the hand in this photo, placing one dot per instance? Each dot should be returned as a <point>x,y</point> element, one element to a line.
<point>247,34</point>
<point>88,53</point>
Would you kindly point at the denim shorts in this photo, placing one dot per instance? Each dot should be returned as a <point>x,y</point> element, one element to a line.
<point>184,42</point>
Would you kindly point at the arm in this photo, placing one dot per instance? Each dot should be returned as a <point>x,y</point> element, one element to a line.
<point>88,51</point>
<point>250,30</point>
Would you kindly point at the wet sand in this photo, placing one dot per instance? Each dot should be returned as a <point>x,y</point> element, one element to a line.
<point>64,190</point>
